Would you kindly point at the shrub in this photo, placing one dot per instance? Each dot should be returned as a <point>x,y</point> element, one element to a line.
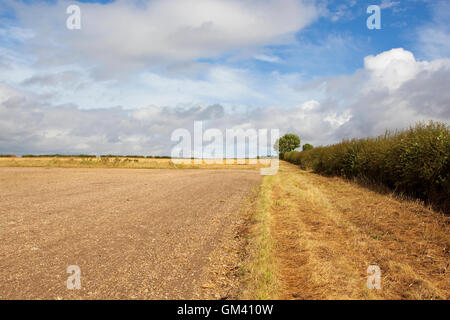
<point>415,161</point>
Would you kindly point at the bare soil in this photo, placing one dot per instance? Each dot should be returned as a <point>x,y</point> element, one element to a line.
<point>135,234</point>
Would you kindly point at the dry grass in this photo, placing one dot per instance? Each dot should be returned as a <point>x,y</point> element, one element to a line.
<point>133,163</point>
<point>259,267</point>
<point>325,232</point>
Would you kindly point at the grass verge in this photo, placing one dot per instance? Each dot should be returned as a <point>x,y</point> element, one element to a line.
<point>314,237</point>
<point>259,269</point>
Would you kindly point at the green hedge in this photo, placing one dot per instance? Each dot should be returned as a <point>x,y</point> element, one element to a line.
<point>415,162</point>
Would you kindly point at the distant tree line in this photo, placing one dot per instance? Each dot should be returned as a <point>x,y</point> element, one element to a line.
<point>84,156</point>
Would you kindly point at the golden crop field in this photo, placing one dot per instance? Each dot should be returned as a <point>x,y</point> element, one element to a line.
<point>133,163</point>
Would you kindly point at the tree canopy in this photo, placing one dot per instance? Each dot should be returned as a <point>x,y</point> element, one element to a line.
<point>287,143</point>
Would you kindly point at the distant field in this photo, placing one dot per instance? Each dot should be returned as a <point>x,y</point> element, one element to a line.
<point>130,162</point>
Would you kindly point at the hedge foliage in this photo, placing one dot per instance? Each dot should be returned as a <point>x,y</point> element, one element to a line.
<point>415,162</point>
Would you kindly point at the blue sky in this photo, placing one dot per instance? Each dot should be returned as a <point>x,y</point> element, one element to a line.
<point>342,41</point>
<point>338,37</point>
<point>139,69</point>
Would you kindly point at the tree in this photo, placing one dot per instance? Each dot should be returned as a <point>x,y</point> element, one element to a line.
<point>307,146</point>
<point>287,143</point>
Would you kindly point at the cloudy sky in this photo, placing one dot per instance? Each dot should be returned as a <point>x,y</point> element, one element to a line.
<point>137,70</point>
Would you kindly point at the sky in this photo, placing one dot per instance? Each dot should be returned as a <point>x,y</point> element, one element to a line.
<point>137,70</point>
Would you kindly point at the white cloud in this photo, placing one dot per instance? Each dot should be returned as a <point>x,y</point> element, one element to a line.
<point>434,37</point>
<point>342,11</point>
<point>267,58</point>
<point>123,35</point>
<point>212,84</point>
<point>397,92</point>
<point>391,68</point>
<point>385,4</point>
<point>53,104</point>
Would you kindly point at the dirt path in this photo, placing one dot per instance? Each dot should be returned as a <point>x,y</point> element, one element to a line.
<point>145,234</point>
<point>327,231</point>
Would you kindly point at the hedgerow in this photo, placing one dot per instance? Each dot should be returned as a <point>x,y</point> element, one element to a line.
<point>415,162</point>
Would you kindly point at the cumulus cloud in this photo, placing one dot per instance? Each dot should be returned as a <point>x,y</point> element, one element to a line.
<point>137,70</point>
<point>398,91</point>
<point>134,34</point>
<point>394,90</point>
<point>29,126</point>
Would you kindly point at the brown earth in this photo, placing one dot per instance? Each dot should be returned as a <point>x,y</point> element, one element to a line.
<point>144,234</point>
